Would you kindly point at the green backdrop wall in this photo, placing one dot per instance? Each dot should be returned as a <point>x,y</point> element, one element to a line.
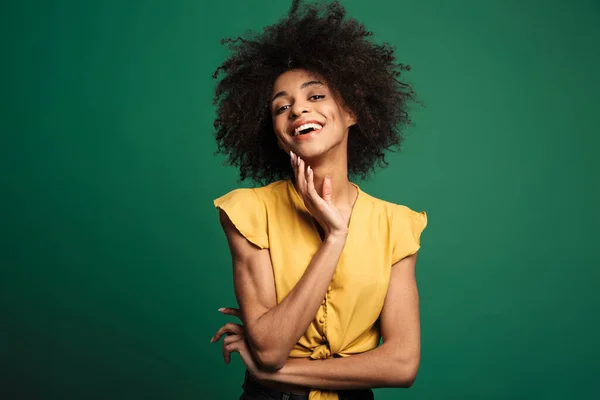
<point>113,261</point>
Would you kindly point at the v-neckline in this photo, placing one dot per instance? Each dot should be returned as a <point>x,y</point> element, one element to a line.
<point>312,219</point>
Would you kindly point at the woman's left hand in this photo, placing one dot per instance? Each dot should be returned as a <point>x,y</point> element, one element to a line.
<point>235,341</point>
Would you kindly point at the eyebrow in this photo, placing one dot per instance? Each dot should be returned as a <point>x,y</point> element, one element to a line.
<point>303,86</point>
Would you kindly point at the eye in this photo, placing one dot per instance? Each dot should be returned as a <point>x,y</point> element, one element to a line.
<point>317,97</point>
<point>281,109</point>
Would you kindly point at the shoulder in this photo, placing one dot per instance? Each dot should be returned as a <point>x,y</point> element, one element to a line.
<point>252,195</point>
<point>247,209</point>
<point>403,225</point>
<point>271,191</point>
<point>387,208</point>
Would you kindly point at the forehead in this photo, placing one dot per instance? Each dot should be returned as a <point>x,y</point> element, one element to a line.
<point>293,79</point>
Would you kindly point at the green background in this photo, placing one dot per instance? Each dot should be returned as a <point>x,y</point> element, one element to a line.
<point>113,261</point>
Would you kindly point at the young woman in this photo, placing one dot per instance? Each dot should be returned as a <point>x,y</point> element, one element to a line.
<point>322,270</point>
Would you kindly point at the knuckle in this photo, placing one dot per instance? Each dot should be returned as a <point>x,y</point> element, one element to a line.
<point>230,347</point>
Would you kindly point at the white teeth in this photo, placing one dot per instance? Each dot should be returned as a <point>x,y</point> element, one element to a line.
<point>316,127</point>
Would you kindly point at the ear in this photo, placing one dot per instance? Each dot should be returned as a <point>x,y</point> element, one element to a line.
<point>350,117</point>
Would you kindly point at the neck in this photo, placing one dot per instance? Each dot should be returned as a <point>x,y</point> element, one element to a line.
<point>336,167</point>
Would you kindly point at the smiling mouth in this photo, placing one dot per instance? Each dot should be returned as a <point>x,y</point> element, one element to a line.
<point>307,128</point>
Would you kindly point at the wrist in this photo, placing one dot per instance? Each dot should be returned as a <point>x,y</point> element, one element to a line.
<point>269,376</point>
<point>336,237</point>
<point>264,376</point>
<point>273,376</point>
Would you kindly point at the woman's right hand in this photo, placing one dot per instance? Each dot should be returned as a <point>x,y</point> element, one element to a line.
<point>321,208</point>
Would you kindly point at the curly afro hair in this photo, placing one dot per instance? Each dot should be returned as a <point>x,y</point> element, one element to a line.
<point>324,41</point>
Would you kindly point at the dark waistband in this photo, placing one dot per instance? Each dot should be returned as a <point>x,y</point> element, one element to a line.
<point>253,387</point>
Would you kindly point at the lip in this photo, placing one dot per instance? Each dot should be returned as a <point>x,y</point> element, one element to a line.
<point>307,136</point>
<point>296,124</point>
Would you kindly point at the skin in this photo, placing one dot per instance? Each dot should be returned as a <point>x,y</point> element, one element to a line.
<point>270,330</point>
<point>298,97</point>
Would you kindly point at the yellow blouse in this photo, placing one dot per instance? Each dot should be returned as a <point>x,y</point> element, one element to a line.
<point>380,234</point>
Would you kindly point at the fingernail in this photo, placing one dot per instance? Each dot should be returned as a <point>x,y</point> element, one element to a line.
<point>299,159</point>
<point>212,339</point>
<point>221,309</point>
<point>308,169</point>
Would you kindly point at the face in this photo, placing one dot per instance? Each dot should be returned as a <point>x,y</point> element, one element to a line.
<point>307,118</point>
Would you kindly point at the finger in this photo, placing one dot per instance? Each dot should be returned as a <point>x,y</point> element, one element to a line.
<point>231,311</point>
<point>327,190</point>
<point>230,348</point>
<point>301,177</point>
<point>232,338</point>
<point>310,182</point>
<point>230,329</point>
<point>295,161</point>
<point>226,345</point>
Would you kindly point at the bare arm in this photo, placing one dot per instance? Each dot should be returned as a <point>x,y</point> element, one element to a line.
<point>393,364</point>
<point>273,329</point>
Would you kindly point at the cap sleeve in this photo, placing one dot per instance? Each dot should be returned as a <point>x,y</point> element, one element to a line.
<point>405,232</point>
<point>247,212</point>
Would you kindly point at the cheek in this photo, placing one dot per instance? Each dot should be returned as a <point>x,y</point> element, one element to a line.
<point>334,112</point>
<point>279,127</point>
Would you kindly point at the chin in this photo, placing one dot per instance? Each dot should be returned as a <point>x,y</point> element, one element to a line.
<point>312,151</point>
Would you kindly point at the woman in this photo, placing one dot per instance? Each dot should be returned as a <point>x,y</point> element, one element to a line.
<point>322,270</point>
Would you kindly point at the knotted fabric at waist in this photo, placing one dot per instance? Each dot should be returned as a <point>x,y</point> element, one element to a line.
<point>321,352</point>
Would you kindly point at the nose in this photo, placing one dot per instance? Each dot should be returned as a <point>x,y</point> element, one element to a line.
<point>299,108</point>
